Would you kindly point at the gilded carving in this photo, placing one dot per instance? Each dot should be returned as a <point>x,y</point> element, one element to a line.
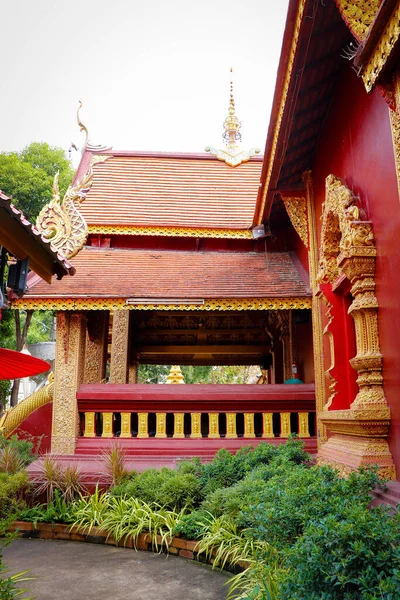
<point>108,419</point>
<point>296,208</point>
<point>143,425</point>
<point>13,417</point>
<point>119,347</point>
<point>99,158</point>
<point>382,51</point>
<point>317,328</point>
<point>268,430</point>
<point>395,126</point>
<point>249,425</point>
<point>68,376</point>
<point>126,425</point>
<point>285,424</point>
<point>303,425</point>
<point>62,224</point>
<point>358,15</point>
<point>90,428</point>
<point>195,425</point>
<point>119,304</point>
<point>213,425</point>
<point>232,156</point>
<point>161,425</point>
<point>348,247</point>
<point>198,232</point>
<point>231,425</point>
<point>179,420</point>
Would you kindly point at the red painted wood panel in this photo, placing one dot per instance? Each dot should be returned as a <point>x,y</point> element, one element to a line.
<point>356,144</point>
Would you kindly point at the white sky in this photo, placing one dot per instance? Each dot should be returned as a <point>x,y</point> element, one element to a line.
<point>152,75</point>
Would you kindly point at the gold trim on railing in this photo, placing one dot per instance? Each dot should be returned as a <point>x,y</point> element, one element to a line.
<point>126,425</point>
<point>249,425</point>
<point>161,425</point>
<point>143,430</point>
<point>231,425</point>
<point>90,430</point>
<point>285,424</point>
<point>303,425</point>
<point>107,425</point>
<point>213,425</point>
<point>268,428</point>
<point>179,425</point>
<point>195,425</point>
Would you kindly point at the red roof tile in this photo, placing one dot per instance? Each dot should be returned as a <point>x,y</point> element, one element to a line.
<point>169,274</point>
<point>172,191</point>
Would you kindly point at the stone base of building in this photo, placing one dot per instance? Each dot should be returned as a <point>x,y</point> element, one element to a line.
<point>348,453</point>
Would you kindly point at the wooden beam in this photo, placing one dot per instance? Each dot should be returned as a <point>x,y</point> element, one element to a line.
<point>232,349</point>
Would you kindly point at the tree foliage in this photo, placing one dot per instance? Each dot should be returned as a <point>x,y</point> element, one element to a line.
<point>201,373</point>
<point>28,175</point>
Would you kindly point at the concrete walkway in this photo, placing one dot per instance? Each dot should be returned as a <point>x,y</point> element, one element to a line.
<point>73,570</point>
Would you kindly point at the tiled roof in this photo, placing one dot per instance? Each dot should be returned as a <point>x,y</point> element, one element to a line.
<point>172,191</point>
<point>17,233</point>
<point>130,273</point>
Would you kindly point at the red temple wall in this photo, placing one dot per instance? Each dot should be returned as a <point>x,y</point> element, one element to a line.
<point>356,145</point>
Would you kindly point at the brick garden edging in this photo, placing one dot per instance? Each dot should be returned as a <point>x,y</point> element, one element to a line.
<point>59,531</point>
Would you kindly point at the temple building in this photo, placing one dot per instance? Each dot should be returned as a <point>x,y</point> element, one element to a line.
<point>287,260</point>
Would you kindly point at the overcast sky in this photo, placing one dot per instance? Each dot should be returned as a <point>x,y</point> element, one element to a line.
<point>152,75</point>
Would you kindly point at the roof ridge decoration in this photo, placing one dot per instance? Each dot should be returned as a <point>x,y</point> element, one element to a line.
<point>88,145</point>
<point>62,224</point>
<point>233,155</point>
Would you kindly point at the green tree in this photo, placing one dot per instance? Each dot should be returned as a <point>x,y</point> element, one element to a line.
<point>28,175</point>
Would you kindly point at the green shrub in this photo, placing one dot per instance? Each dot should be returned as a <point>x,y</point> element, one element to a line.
<point>56,511</point>
<point>166,487</point>
<point>12,492</point>
<point>280,510</point>
<point>24,449</point>
<point>223,471</point>
<point>356,557</point>
<point>192,525</point>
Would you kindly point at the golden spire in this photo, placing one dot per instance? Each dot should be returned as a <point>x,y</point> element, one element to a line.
<point>175,375</point>
<point>233,155</point>
<point>232,124</point>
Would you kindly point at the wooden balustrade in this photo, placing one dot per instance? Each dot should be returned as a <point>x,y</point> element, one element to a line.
<point>197,412</point>
<point>213,425</point>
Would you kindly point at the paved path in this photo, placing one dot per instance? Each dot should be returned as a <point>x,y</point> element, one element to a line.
<point>73,570</point>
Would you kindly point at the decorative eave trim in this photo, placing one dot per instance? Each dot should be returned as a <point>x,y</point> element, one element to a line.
<point>269,157</point>
<point>377,50</point>
<point>198,232</point>
<point>223,304</point>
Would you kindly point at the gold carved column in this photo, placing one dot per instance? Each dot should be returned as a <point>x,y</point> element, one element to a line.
<point>317,327</point>
<point>96,346</point>
<point>286,337</point>
<point>69,370</point>
<point>359,434</point>
<point>120,347</point>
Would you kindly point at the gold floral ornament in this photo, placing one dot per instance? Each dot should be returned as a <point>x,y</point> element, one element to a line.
<point>61,223</point>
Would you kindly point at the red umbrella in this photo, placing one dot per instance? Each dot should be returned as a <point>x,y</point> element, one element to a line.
<point>15,365</point>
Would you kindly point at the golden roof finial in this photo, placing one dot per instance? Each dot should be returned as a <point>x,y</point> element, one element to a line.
<point>82,127</point>
<point>233,155</point>
<point>232,124</point>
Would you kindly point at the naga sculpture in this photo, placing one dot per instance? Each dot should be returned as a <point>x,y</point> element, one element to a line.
<point>61,223</point>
